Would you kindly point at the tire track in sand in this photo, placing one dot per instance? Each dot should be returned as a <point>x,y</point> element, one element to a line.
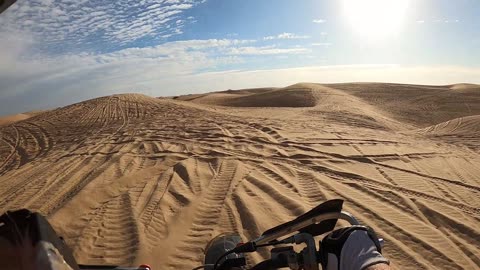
<point>206,215</point>
<point>150,213</point>
<point>111,237</point>
<point>309,188</point>
<point>13,152</point>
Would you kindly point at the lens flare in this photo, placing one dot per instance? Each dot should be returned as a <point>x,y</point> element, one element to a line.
<point>376,18</point>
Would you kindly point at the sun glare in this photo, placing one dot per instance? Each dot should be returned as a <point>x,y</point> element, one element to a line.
<point>376,18</point>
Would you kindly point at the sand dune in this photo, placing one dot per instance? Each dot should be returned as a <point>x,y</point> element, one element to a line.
<point>292,96</point>
<point>469,125</point>
<point>460,131</point>
<point>420,105</point>
<point>223,97</point>
<point>465,86</point>
<point>9,119</point>
<point>130,179</point>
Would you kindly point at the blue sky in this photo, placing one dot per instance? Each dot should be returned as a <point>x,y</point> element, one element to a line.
<point>55,52</point>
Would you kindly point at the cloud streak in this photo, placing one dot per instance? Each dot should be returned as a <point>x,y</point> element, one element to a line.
<point>83,24</point>
<point>267,50</point>
<point>286,36</point>
<point>322,44</point>
<point>319,21</point>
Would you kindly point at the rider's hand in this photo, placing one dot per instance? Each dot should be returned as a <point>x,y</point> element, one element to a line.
<point>351,248</point>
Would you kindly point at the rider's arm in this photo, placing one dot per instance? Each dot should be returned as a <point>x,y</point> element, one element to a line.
<point>352,248</point>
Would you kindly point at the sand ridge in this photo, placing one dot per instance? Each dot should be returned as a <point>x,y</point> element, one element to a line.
<point>130,179</point>
<point>9,119</point>
<point>469,125</point>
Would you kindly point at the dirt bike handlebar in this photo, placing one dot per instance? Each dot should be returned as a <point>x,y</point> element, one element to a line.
<point>308,259</point>
<point>301,230</point>
<point>317,219</point>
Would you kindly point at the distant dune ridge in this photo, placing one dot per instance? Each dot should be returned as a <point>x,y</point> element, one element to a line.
<point>130,179</point>
<point>465,86</point>
<point>292,96</point>
<point>6,120</point>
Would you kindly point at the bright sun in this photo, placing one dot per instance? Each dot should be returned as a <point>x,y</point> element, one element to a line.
<point>376,18</point>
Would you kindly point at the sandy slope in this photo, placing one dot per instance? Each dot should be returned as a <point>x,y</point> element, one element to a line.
<point>9,119</point>
<point>460,131</point>
<point>130,179</point>
<point>463,126</point>
<point>465,87</point>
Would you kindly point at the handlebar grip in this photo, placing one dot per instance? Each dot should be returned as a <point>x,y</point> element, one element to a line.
<point>267,264</point>
<point>271,264</point>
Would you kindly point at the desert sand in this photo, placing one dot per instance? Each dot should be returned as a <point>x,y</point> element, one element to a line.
<point>9,119</point>
<point>130,179</point>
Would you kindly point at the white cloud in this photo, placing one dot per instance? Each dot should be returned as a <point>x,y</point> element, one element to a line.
<point>286,36</point>
<point>319,21</point>
<point>266,50</point>
<point>107,22</point>
<point>452,21</point>
<point>443,21</point>
<point>325,44</point>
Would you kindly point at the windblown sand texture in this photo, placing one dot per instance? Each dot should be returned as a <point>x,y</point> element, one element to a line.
<point>131,179</point>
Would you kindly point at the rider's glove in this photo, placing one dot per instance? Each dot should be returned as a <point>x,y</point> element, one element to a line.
<point>351,248</point>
